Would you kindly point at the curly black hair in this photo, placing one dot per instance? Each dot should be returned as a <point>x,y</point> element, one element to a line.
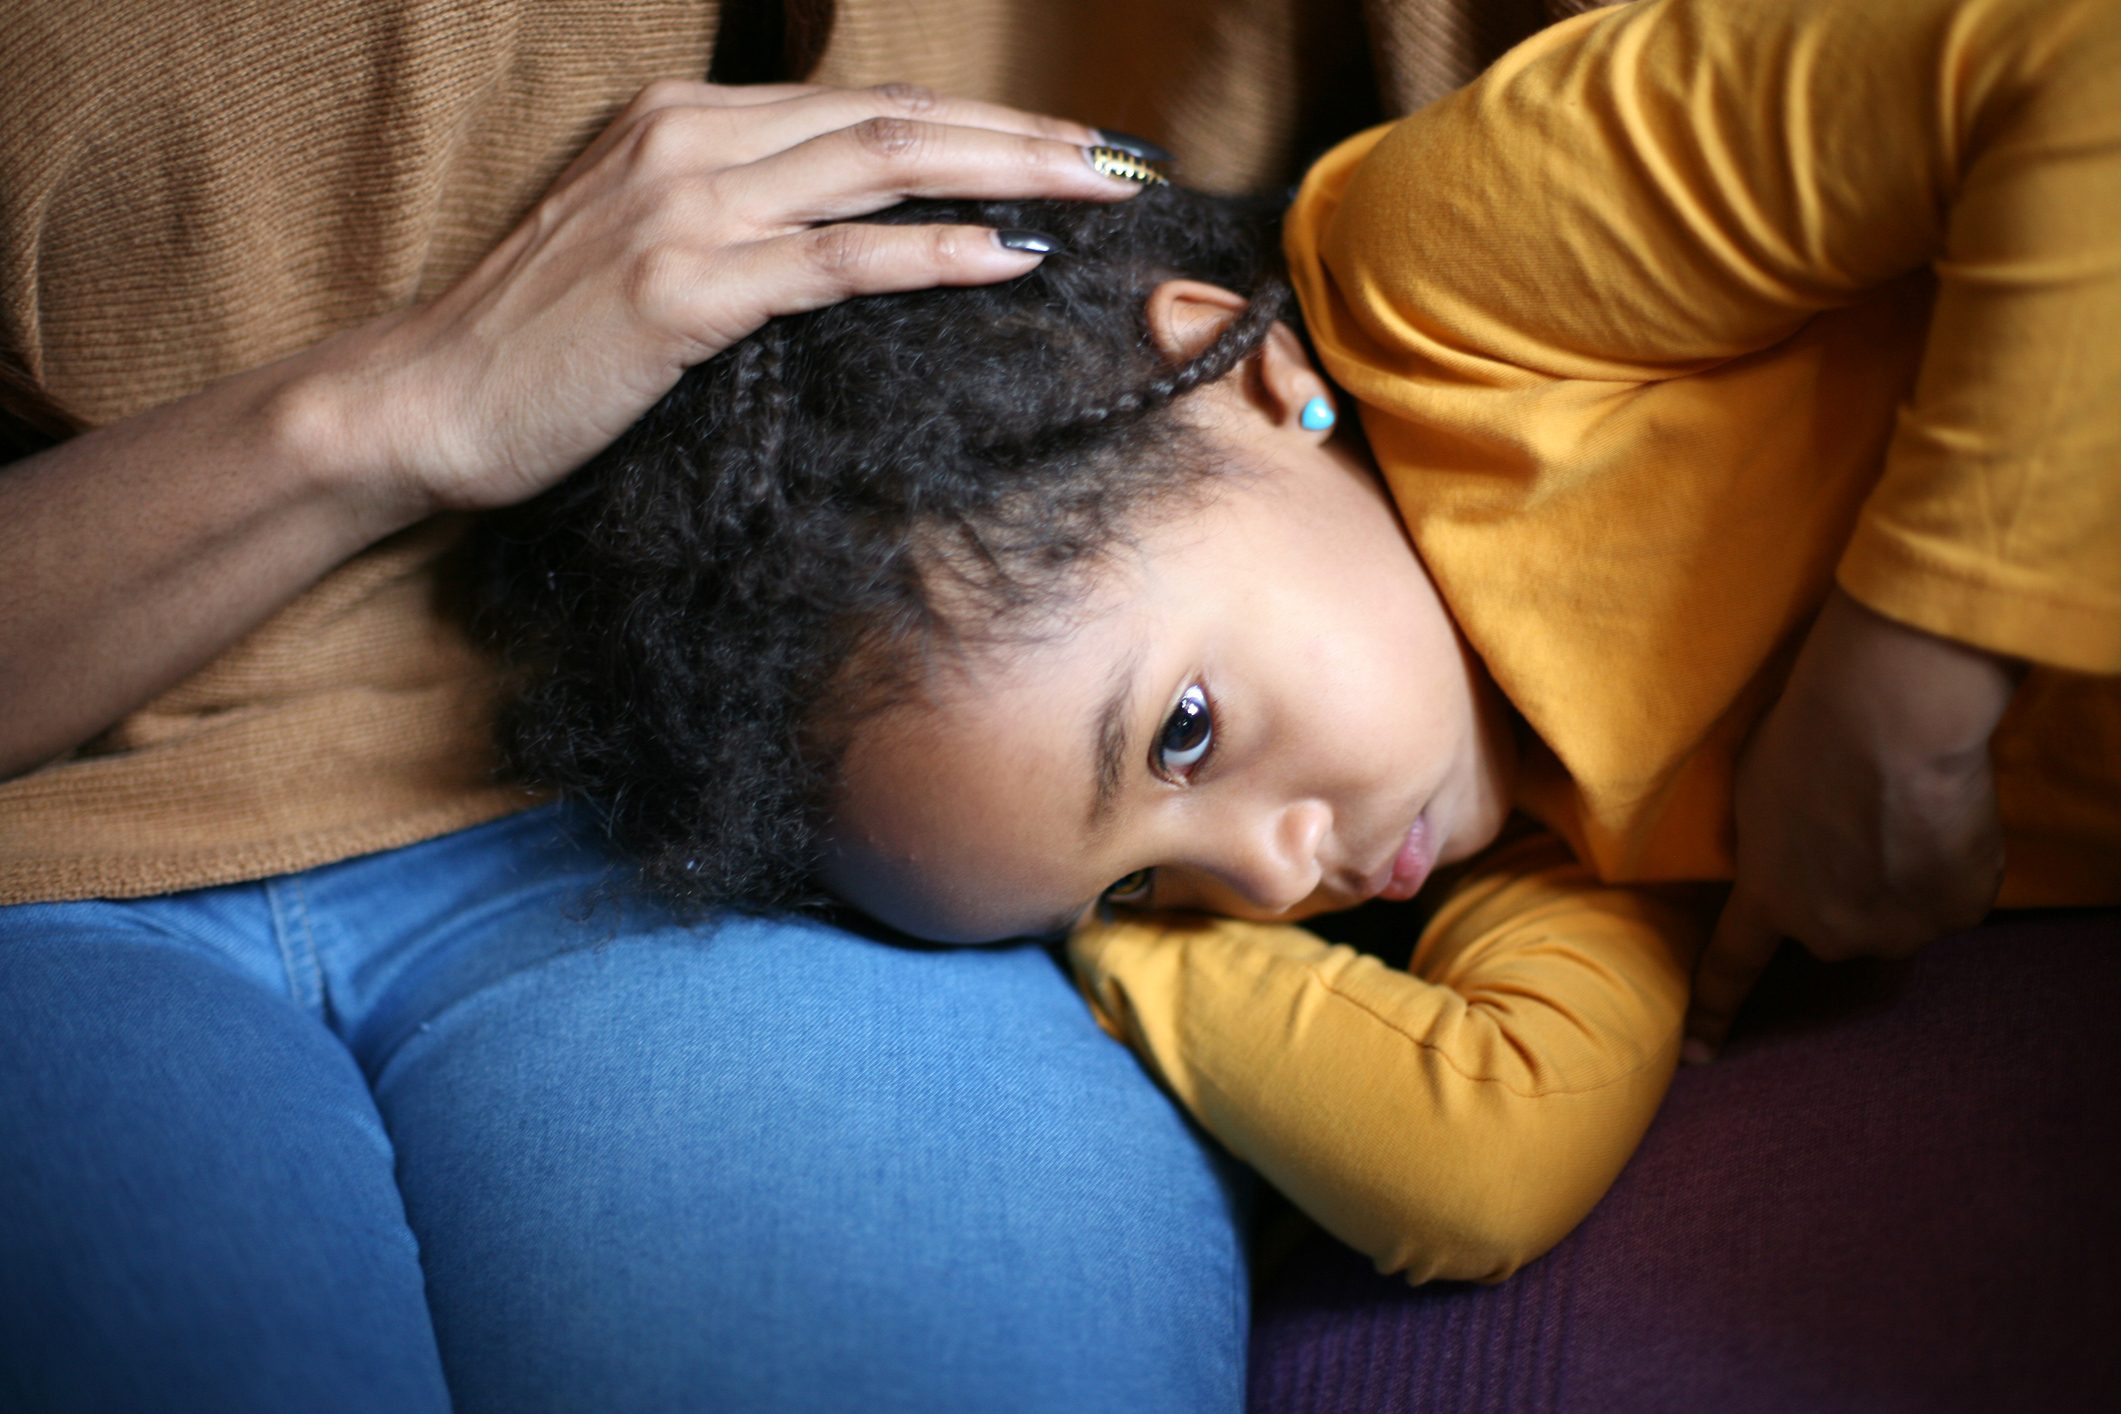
<point>698,618</point>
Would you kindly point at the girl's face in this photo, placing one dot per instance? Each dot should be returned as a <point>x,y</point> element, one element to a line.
<point>1260,709</point>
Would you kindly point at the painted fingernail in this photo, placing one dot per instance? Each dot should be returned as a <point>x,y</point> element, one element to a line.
<point>1124,165</point>
<point>1697,1052</point>
<point>1138,146</point>
<point>1036,242</point>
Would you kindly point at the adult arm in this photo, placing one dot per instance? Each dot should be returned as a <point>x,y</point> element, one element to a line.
<point>131,555</point>
<point>1452,1121</point>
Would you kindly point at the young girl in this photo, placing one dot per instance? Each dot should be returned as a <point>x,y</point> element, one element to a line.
<point>1691,336</point>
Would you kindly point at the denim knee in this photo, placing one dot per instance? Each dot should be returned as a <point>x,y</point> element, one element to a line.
<point>197,1208</point>
<point>765,1164</point>
<point>776,1165</point>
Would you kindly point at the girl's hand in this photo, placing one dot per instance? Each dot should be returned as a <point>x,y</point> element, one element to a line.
<point>1866,810</point>
<point>701,212</point>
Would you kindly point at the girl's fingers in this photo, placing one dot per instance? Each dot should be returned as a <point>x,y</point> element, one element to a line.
<point>813,268</point>
<point>882,161</point>
<point>1737,953</point>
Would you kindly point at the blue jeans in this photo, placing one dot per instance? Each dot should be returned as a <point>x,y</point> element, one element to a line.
<point>468,1124</point>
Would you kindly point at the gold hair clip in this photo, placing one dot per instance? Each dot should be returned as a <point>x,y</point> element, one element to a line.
<point>1115,163</point>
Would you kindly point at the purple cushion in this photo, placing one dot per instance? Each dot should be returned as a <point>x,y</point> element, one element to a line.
<point>1897,1190</point>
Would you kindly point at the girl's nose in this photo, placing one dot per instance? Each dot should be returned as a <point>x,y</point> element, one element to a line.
<point>1274,860</point>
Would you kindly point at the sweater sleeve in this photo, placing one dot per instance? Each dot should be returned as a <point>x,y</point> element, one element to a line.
<point>1653,191</point>
<point>1452,1122</point>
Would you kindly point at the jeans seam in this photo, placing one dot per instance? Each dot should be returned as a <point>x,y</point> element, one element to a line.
<point>297,959</point>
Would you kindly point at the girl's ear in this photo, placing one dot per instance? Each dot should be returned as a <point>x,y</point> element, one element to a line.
<point>1279,381</point>
<point>1185,316</point>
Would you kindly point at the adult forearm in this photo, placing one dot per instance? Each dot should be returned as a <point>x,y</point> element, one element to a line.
<point>133,554</point>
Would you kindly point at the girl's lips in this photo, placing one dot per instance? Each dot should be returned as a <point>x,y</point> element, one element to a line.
<point>1410,867</point>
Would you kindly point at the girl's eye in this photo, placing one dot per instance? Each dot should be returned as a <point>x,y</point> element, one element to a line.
<point>1188,733</point>
<point>1132,889</point>
<point>1182,745</point>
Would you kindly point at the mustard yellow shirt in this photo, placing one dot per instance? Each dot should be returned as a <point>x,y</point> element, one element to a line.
<point>1682,313</point>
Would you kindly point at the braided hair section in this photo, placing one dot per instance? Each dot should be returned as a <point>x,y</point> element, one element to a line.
<point>1237,341</point>
<point>699,620</point>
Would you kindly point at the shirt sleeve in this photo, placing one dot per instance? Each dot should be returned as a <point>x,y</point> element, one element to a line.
<point>1452,1121</point>
<point>1649,192</point>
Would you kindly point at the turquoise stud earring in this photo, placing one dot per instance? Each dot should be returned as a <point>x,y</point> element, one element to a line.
<point>1317,415</point>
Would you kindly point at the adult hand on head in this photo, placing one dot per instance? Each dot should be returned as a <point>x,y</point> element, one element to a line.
<point>133,553</point>
<point>701,212</point>
<point>1865,805</point>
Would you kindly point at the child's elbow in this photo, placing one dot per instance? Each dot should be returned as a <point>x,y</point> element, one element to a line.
<point>1497,1196</point>
<point>1483,1241</point>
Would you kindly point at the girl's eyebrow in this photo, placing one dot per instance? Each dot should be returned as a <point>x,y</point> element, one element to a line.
<point>1108,743</point>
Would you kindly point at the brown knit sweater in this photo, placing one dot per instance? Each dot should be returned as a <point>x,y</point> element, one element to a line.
<point>191,190</point>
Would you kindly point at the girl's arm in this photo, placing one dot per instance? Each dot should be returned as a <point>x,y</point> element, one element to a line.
<point>1867,817</point>
<point>1656,190</point>
<point>1452,1123</point>
<point>1661,190</point>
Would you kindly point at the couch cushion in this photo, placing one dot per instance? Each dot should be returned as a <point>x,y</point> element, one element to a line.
<point>1896,1190</point>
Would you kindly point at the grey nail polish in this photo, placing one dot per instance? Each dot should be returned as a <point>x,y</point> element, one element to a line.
<point>1140,146</point>
<point>1036,242</point>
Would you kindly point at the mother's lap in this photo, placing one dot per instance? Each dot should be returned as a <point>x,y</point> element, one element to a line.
<point>282,1142</point>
